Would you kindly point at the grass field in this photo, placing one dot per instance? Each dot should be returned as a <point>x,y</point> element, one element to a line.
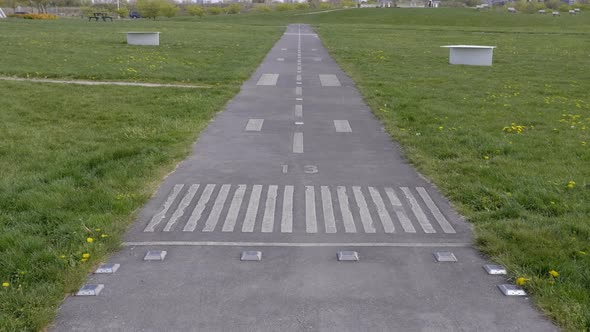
<point>508,144</point>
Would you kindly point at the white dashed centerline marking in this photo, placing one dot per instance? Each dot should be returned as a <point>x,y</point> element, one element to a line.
<point>298,111</point>
<point>342,126</point>
<point>254,125</point>
<point>268,79</point>
<point>329,80</point>
<point>298,143</point>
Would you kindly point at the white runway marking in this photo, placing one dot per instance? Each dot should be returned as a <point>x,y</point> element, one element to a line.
<point>329,80</point>
<point>198,210</point>
<point>442,221</point>
<point>360,207</point>
<point>399,211</point>
<point>252,210</point>
<point>254,125</point>
<point>311,224</point>
<point>298,111</point>
<point>329,219</point>
<point>269,211</point>
<point>347,219</point>
<point>342,126</point>
<point>186,200</point>
<point>298,91</point>
<point>157,218</point>
<point>298,78</point>
<point>217,208</point>
<point>366,218</point>
<point>426,226</point>
<point>303,244</point>
<point>382,211</point>
<point>268,79</point>
<point>287,219</point>
<point>234,209</point>
<point>298,143</point>
<point>283,49</point>
<point>280,59</point>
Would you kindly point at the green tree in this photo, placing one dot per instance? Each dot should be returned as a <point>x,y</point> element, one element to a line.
<point>195,10</point>
<point>149,8</point>
<point>168,9</point>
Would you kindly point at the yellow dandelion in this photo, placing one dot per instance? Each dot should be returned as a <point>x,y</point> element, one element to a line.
<point>554,273</point>
<point>62,256</point>
<point>89,240</point>
<point>103,235</point>
<point>98,229</point>
<point>521,281</point>
<point>486,157</point>
<point>85,255</point>
<point>5,284</point>
<point>571,184</point>
<point>583,253</point>
<point>441,128</point>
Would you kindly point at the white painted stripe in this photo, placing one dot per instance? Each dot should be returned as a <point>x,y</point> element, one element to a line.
<point>366,219</point>
<point>329,80</point>
<point>298,78</point>
<point>302,244</point>
<point>298,83</point>
<point>298,91</point>
<point>317,59</point>
<point>217,208</point>
<point>283,49</point>
<point>399,211</point>
<point>280,59</point>
<point>329,220</point>
<point>198,210</point>
<point>254,125</point>
<point>158,216</point>
<point>303,34</point>
<point>285,169</point>
<point>311,224</point>
<point>252,211</point>
<point>342,126</point>
<point>287,219</point>
<point>314,49</point>
<point>382,211</point>
<point>234,209</point>
<point>299,68</point>
<point>269,211</point>
<point>347,219</point>
<point>426,226</point>
<point>268,79</point>
<point>298,143</point>
<point>299,111</point>
<point>299,99</point>
<point>440,218</point>
<point>186,200</point>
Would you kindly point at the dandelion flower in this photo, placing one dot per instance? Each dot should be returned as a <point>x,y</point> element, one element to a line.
<point>89,240</point>
<point>62,256</point>
<point>86,255</point>
<point>521,281</point>
<point>571,184</point>
<point>554,273</point>
<point>583,253</point>
<point>103,235</point>
<point>5,284</point>
<point>84,260</point>
<point>486,157</point>
<point>97,229</point>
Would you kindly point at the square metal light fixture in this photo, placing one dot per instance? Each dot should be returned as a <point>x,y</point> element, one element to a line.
<point>107,268</point>
<point>348,256</point>
<point>494,269</point>
<point>90,290</point>
<point>155,255</point>
<point>444,256</point>
<point>251,256</point>
<point>511,290</point>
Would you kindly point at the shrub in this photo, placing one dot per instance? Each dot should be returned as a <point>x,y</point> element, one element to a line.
<point>168,9</point>
<point>553,4</point>
<point>35,16</point>
<point>324,5</point>
<point>301,6</point>
<point>214,10</point>
<point>234,8</point>
<point>195,10</point>
<point>345,3</point>
<point>122,12</point>
<point>282,7</point>
<point>262,9</point>
<point>564,8</point>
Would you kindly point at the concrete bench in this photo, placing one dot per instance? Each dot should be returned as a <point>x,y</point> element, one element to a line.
<point>472,55</point>
<point>555,13</point>
<point>572,12</point>
<point>143,38</point>
<point>541,11</point>
<point>511,10</point>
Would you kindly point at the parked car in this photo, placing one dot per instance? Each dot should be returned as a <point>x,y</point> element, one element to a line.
<point>134,14</point>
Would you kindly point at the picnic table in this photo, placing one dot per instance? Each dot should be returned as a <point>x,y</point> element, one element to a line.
<point>96,16</point>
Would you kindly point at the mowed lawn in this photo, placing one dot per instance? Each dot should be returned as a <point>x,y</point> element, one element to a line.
<point>508,144</point>
<point>77,162</point>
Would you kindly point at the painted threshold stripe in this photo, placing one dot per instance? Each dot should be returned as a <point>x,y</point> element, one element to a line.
<point>269,211</point>
<point>252,211</point>
<point>234,209</point>
<point>268,79</point>
<point>157,218</point>
<point>198,210</point>
<point>442,221</point>
<point>399,211</point>
<point>186,200</point>
<point>347,219</point>
<point>299,111</point>
<point>301,244</point>
<point>329,80</point>
<point>217,208</point>
<point>254,125</point>
<point>287,219</point>
<point>311,224</point>
<point>366,219</point>
<point>422,219</point>
<point>342,126</point>
<point>329,219</point>
<point>298,143</point>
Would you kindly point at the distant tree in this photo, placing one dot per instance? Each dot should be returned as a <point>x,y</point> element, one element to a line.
<point>195,10</point>
<point>168,9</point>
<point>149,8</point>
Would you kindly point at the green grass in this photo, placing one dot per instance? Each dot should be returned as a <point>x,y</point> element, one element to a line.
<point>76,159</point>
